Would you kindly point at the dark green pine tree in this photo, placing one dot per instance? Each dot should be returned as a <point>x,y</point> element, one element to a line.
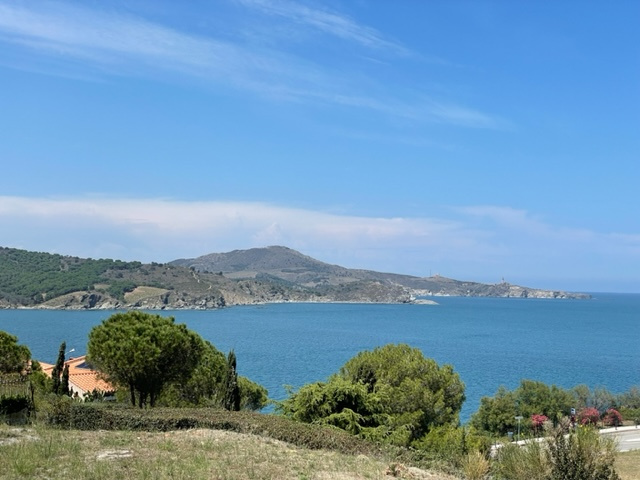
<point>232,391</point>
<point>57,369</point>
<point>64,382</point>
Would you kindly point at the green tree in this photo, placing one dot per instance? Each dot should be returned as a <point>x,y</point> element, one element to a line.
<point>539,398</point>
<point>392,393</point>
<point>231,391</point>
<point>64,382</point>
<point>629,399</point>
<point>14,358</point>
<point>253,396</point>
<point>599,398</point>
<point>57,371</point>
<point>143,353</point>
<point>497,414</point>
<point>207,385</point>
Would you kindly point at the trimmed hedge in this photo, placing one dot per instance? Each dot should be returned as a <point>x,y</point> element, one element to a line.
<point>96,416</point>
<point>10,404</point>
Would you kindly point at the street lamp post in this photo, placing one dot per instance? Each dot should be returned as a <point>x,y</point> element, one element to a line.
<point>519,417</point>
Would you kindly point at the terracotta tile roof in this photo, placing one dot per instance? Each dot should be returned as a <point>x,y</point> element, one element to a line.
<point>82,378</point>
<point>89,381</point>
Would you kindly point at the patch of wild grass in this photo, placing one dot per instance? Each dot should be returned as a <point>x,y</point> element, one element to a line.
<point>527,462</point>
<point>176,455</point>
<point>628,465</point>
<point>114,441</point>
<point>475,466</point>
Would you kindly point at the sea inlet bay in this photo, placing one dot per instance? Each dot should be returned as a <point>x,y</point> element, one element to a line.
<point>489,341</point>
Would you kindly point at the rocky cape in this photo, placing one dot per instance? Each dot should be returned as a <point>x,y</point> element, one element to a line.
<point>242,277</point>
<point>289,267</point>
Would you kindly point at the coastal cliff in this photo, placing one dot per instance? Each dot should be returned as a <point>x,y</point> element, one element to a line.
<point>241,277</point>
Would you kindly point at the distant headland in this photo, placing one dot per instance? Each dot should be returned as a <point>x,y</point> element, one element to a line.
<point>273,274</point>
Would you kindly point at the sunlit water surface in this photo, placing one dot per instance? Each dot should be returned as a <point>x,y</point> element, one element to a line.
<point>489,341</point>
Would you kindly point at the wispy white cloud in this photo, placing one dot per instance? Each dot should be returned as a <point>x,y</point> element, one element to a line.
<point>119,44</point>
<point>463,116</point>
<point>242,221</point>
<point>326,21</point>
<point>518,220</point>
<point>537,245</point>
<point>121,41</point>
<point>478,243</point>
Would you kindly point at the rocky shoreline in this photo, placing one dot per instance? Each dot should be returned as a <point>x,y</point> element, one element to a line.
<point>169,301</point>
<point>242,277</point>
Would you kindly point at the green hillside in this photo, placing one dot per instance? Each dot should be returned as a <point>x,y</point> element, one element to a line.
<point>44,280</point>
<point>29,278</point>
<point>241,277</point>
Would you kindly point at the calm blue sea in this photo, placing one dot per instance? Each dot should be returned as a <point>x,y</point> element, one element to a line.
<point>489,341</point>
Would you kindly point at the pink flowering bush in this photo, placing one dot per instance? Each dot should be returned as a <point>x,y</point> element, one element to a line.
<point>589,416</point>
<point>538,421</point>
<point>612,418</point>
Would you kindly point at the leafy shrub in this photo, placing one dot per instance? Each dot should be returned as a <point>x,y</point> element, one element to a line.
<point>631,414</point>
<point>475,466</point>
<point>527,462</point>
<point>206,385</point>
<point>588,416</point>
<point>253,396</point>
<point>580,455</point>
<point>497,414</point>
<point>55,410</point>
<point>447,448</point>
<point>392,394</point>
<point>629,399</point>
<point>538,422</point>
<point>14,403</point>
<point>612,418</point>
<point>599,398</point>
<point>583,455</point>
<point>102,416</point>
<point>447,443</point>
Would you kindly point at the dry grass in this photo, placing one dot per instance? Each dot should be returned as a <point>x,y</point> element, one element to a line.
<point>140,293</point>
<point>475,466</point>
<point>628,465</point>
<point>187,454</point>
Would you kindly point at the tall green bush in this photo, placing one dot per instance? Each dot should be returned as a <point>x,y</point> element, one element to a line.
<point>526,462</point>
<point>207,385</point>
<point>392,394</point>
<point>579,455</point>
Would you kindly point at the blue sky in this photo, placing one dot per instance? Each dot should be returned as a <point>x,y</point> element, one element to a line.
<point>479,140</point>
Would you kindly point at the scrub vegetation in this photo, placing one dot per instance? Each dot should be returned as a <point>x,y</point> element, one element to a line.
<point>183,412</point>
